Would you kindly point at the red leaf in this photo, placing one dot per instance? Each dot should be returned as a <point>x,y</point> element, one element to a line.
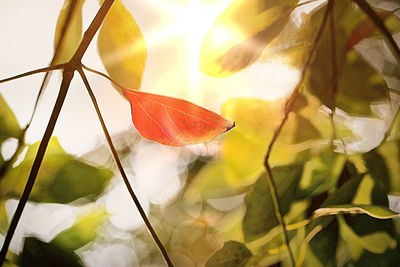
<point>172,121</point>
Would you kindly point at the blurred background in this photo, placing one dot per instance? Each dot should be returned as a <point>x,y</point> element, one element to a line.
<point>108,230</point>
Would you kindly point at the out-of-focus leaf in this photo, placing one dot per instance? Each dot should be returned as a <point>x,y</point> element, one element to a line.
<point>61,178</point>
<point>364,29</point>
<point>73,33</point>
<point>374,241</point>
<point>260,213</point>
<point>9,126</point>
<point>82,232</point>
<point>345,193</point>
<point>293,43</point>
<point>215,180</point>
<point>172,121</point>
<point>379,212</point>
<point>3,217</point>
<point>305,130</point>
<point>122,47</point>
<point>387,259</point>
<point>240,33</point>
<point>323,246</point>
<point>320,173</point>
<point>38,253</point>
<point>360,86</point>
<point>377,169</point>
<point>233,253</point>
<point>390,151</point>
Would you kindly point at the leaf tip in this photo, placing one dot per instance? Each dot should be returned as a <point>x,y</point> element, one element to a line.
<point>230,127</point>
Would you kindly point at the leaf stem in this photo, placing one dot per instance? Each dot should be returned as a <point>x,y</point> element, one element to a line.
<point>363,5</point>
<point>288,107</point>
<point>67,77</point>
<point>121,170</point>
<point>47,69</point>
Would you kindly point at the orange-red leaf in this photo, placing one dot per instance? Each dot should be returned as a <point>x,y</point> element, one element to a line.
<point>172,121</point>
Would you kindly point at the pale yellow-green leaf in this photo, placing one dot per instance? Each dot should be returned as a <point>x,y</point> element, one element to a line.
<point>122,47</point>
<point>376,242</point>
<point>73,33</point>
<point>374,211</point>
<point>240,33</point>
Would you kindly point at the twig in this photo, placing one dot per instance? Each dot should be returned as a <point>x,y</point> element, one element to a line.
<point>121,170</point>
<point>103,75</point>
<point>288,107</point>
<point>333,57</point>
<point>47,69</point>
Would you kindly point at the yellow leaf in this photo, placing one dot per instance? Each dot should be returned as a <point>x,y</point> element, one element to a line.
<point>73,33</point>
<point>240,33</point>
<point>122,47</point>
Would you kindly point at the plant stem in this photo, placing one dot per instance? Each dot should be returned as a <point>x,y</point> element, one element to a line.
<point>381,26</point>
<point>288,107</point>
<point>67,77</point>
<point>123,174</point>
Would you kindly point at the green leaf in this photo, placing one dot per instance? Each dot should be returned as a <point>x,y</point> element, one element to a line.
<point>122,47</point>
<point>305,130</point>
<point>61,178</point>
<point>231,254</point>
<point>240,33</point>
<point>260,213</point>
<point>38,253</point>
<point>9,126</point>
<point>360,86</point>
<point>73,33</point>
<point>323,245</point>
<point>379,212</point>
<point>377,169</point>
<point>3,217</point>
<point>375,240</point>
<point>390,155</point>
<point>387,259</point>
<point>82,232</point>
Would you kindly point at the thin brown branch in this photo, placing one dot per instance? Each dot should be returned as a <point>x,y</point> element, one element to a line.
<point>47,69</point>
<point>335,72</point>
<point>288,107</point>
<point>122,171</point>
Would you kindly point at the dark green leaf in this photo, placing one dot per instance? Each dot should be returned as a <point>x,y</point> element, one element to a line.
<point>231,254</point>
<point>61,178</point>
<point>37,253</point>
<point>305,130</point>
<point>324,244</point>
<point>389,258</point>
<point>377,169</point>
<point>260,214</point>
